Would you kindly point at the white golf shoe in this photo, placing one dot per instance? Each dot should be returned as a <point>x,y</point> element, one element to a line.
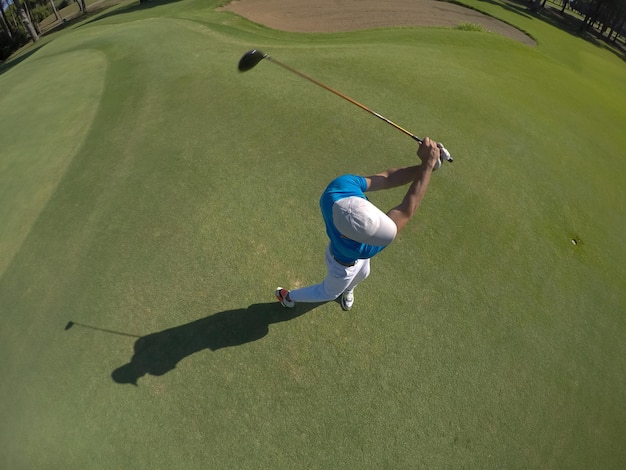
<point>347,299</point>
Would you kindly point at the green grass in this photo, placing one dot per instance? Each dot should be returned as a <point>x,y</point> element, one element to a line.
<point>470,27</point>
<point>146,185</point>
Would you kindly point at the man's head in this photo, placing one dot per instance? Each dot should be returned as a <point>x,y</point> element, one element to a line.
<point>360,220</point>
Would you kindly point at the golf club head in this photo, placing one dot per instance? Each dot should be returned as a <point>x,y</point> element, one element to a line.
<point>250,59</point>
<point>69,325</point>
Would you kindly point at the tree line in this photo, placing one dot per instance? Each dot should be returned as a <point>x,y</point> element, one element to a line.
<point>20,21</point>
<point>605,16</point>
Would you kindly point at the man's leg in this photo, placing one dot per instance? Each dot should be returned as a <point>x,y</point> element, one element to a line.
<point>347,298</point>
<point>338,279</point>
<point>364,271</point>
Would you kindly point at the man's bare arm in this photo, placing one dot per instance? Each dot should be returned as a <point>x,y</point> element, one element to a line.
<point>391,178</point>
<point>419,175</point>
<point>402,213</point>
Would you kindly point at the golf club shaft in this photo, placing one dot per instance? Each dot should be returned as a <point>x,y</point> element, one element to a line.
<point>345,97</point>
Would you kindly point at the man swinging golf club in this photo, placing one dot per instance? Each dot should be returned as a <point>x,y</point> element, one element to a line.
<point>358,230</point>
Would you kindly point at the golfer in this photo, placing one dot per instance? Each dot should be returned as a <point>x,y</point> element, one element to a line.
<point>358,230</point>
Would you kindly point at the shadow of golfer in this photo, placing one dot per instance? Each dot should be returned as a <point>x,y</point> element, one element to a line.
<point>158,353</point>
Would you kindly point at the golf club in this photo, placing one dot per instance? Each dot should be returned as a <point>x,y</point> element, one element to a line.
<point>251,58</point>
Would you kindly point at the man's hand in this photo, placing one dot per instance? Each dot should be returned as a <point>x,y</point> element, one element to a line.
<point>428,153</point>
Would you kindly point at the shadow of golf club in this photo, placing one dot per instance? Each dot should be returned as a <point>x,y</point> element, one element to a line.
<point>70,324</point>
<point>158,353</point>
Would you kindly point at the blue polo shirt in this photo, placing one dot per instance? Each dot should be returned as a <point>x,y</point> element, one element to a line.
<point>344,249</point>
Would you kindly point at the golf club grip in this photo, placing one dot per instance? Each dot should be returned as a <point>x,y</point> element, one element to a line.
<point>347,98</point>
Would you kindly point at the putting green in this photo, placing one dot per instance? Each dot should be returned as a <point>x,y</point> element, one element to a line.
<point>176,193</point>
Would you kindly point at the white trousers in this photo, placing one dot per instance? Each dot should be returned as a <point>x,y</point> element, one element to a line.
<point>339,279</point>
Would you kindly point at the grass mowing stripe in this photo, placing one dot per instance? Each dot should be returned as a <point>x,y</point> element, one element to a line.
<point>48,107</point>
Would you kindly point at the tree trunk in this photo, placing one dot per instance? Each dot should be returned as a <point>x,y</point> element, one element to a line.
<point>15,24</point>
<point>591,15</point>
<point>5,22</point>
<point>54,9</point>
<point>30,17</point>
<point>617,30</point>
<point>26,21</point>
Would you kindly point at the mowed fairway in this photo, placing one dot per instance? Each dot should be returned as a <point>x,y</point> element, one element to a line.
<point>148,188</point>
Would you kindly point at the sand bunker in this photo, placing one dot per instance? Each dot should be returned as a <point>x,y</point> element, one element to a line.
<point>350,15</point>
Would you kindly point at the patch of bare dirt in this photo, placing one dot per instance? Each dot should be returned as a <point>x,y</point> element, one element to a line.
<point>326,16</point>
